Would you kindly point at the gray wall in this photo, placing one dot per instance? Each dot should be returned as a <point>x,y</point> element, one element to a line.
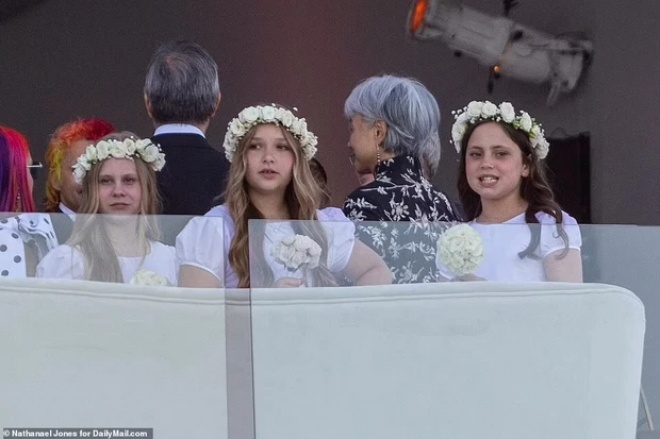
<point>69,58</point>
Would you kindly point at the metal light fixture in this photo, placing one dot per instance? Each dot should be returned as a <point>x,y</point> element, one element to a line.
<point>504,46</point>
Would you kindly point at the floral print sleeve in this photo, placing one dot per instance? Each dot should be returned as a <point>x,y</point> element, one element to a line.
<point>403,217</point>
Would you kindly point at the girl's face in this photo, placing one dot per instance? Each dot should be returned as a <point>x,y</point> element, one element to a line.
<point>120,191</point>
<point>494,163</point>
<point>270,160</point>
<point>362,145</point>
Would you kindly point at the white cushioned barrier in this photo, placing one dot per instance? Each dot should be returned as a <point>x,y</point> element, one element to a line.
<point>87,354</point>
<point>456,361</point>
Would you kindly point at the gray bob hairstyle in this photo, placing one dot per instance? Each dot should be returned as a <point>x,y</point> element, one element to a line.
<point>410,111</point>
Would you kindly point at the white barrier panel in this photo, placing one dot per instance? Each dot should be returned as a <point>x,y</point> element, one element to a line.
<point>454,360</point>
<point>88,354</point>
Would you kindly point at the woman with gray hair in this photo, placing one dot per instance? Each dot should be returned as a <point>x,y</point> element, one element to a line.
<point>394,125</point>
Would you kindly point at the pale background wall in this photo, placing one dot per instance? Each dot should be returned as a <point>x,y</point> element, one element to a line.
<point>70,58</point>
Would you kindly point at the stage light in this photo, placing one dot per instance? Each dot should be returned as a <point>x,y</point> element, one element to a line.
<point>508,48</point>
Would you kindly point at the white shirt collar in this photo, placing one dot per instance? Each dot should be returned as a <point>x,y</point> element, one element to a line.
<point>178,128</point>
<point>70,213</point>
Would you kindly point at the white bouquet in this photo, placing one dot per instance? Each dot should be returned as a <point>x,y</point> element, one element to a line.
<point>461,249</point>
<point>297,251</point>
<point>148,277</point>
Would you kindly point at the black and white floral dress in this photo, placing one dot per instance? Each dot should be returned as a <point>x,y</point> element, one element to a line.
<point>401,194</point>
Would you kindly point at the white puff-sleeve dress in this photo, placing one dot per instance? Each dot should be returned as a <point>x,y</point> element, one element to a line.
<point>204,243</point>
<point>503,243</point>
<point>66,262</point>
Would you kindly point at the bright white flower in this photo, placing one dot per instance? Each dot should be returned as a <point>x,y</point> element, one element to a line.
<point>297,251</point>
<point>148,277</point>
<point>542,148</point>
<point>130,147</point>
<point>91,154</point>
<point>457,132</point>
<point>102,150</point>
<point>237,128</point>
<point>150,153</point>
<point>78,174</point>
<point>525,122</point>
<point>507,112</point>
<point>117,150</point>
<point>249,115</point>
<point>460,249</point>
<point>489,109</point>
<point>159,163</point>
<point>84,163</point>
<point>474,108</point>
<point>287,118</point>
<point>463,118</point>
<point>268,113</point>
<point>535,131</point>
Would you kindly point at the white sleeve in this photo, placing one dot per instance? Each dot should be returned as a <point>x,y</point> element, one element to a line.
<point>341,237</point>
<point>63,262</point>
<point>201,244</point>
<point>552,242</point>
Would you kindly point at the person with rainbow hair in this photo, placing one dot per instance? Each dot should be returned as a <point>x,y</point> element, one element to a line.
<point>69,141</point>
<point>25,238</point>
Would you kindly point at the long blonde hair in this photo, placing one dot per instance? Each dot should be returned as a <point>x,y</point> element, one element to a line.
<point>89,233</point>
<point>302,198</point>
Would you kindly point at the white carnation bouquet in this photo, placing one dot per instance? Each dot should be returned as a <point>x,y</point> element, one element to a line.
<point>460,249</point>
<point>148,277</point>
<point>297,251</point>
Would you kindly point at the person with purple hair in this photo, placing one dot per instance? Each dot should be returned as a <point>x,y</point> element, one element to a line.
<point>27,237</point>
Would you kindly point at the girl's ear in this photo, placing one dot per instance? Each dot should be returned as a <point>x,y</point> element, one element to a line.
<point>525,167</point>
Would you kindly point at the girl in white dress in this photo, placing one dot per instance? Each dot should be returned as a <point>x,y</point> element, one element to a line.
<point>270,179</point>
<point>115,234</point>
<point>507,198</point>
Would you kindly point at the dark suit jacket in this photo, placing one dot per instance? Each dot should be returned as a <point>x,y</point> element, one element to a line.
<point>193,178</point>
<point>62,225</point>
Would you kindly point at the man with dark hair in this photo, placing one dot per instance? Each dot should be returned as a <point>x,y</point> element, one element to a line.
<point>182,94</point>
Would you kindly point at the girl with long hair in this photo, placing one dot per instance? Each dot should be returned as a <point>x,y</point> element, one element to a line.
<point>507,198</point>
<point>270,179</point>
<point>25,236</point>
<point>115,233</point>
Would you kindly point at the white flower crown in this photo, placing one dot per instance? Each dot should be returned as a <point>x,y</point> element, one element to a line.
<point>119,149</point>
<point>477,111</point>
<point>261,114</point>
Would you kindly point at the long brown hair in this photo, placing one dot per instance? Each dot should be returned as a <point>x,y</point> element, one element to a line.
<point>534,189</point>
<point>89,233</point>
<point>302,198</point>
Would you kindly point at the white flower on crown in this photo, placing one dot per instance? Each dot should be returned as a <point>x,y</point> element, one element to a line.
<point>297,251</point>
<point>477,111</point>
<point>120,149</point>
<point>262,114</point>
<point>461,249</point>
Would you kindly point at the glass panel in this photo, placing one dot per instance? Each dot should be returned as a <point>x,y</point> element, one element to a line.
<point>340,360</point>
<point>108,355</point>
